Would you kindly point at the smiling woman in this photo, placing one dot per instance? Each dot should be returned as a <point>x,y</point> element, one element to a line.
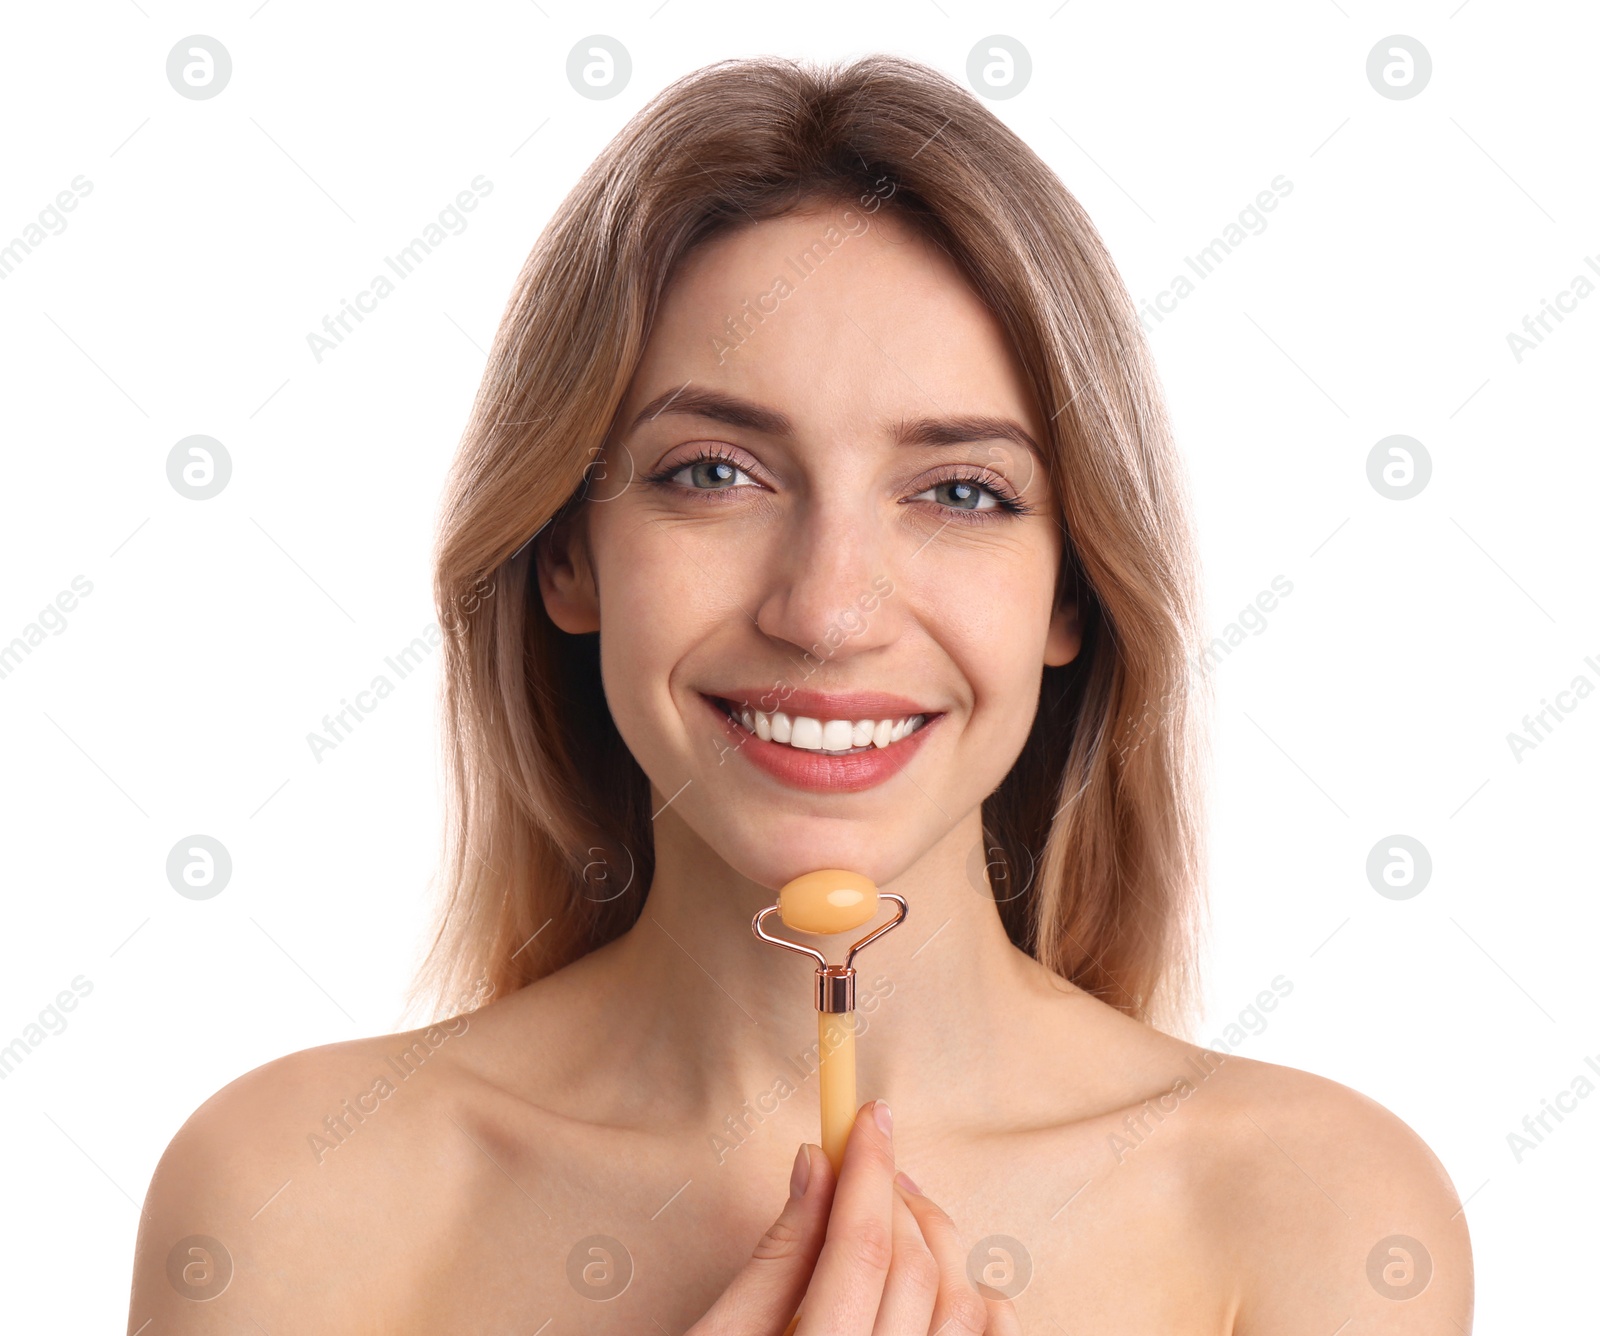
<point>975,320</point>
<point>892,587</point>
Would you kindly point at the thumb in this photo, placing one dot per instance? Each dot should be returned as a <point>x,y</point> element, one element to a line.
<point>764,1295</point>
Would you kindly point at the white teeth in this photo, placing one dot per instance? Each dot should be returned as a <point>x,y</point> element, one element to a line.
<point>837,735</point>
<point>806,733</point>
<point>826,735</point>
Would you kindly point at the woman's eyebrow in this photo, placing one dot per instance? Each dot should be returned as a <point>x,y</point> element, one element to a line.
<point>720,406</point>
<point>961,429</point>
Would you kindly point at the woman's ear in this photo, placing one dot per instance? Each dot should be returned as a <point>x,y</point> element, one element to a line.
<point>566,576</point>
<point>1065,637</point>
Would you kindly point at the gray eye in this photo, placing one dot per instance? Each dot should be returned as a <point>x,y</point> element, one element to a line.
<point>961,494</point>
<point>712,473</point>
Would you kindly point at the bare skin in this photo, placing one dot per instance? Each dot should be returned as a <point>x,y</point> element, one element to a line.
<point>649,1094</point>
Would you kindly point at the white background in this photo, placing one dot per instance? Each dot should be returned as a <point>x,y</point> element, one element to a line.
<point>1377,701</point>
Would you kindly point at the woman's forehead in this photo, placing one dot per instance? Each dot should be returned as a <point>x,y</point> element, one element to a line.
<point>832,327</point>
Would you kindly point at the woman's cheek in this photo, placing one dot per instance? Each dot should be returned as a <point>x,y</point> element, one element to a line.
<point>656,607</point>
<point>996,641</point>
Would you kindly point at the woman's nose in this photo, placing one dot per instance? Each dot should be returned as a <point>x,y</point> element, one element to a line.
<point>828,585</point>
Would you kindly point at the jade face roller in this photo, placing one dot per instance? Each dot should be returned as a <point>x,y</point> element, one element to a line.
<point>828,902</point>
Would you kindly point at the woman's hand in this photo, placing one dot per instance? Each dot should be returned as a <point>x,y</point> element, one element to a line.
<point>866,1256</point>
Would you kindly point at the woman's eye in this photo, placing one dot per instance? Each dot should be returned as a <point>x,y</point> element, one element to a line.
<point>961,494</point>
<point>711,475</point>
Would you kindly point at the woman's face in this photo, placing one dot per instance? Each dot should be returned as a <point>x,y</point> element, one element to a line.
<point>820,504</point>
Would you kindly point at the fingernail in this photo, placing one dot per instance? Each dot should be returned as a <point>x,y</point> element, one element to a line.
<point>882,1116</point>
<point>904,1180</point>
<point>801,1174</point>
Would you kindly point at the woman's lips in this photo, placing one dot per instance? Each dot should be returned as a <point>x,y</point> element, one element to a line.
<point>818,771</point>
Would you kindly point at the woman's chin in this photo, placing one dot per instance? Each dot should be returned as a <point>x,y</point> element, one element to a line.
<point>778,862</point>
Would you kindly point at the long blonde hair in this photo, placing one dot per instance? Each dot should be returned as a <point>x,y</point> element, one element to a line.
<point>1094,841</point>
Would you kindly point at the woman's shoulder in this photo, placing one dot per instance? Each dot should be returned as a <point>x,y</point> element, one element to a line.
<point>319,1174</point>
<point>314,1102</point>
<point>1326,1199</point>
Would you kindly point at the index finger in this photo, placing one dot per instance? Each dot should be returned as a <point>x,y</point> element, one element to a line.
<point>847,1284</point>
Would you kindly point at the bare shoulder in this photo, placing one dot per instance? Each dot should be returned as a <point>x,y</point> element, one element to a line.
<point>1333,1208</point>
<point>304,1189</point>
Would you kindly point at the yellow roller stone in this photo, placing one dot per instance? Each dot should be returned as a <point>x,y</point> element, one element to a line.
<point>829,901</point>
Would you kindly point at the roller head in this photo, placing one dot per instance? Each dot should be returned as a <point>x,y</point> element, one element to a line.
<point>828,901</point>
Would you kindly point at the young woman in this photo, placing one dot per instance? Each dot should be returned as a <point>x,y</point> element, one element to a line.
<point>818,511</point>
